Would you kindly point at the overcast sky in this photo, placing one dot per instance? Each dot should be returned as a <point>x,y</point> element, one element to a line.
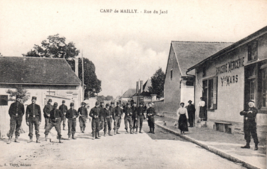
<point>126,47</point>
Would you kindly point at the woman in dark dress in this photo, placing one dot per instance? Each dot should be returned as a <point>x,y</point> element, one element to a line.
<point>182,118</point>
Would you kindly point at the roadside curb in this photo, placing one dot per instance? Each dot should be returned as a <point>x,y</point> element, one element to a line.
<point>209,148</point>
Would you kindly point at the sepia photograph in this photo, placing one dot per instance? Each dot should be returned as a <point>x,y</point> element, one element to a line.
<point>175,84</point>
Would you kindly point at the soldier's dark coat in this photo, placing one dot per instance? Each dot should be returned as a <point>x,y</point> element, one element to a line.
<point>250,125</point>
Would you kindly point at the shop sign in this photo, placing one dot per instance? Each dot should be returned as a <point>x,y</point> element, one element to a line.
<point>227,68</point>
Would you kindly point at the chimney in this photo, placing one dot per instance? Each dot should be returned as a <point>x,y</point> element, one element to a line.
<point>76,61</point>
<point>141,86</point>
<point>137,86</point>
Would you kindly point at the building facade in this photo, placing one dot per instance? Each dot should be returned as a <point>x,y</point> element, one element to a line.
<point>228,79</point>
<point>179,85</point>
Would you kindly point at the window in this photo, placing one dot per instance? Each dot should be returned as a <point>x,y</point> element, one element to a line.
<point>253,51</point>
<point>210,87</point>
<point>264,87</point>
<point>171,74</point>
<point>3,100</point>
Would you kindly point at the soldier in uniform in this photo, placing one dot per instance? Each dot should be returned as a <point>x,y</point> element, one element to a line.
<point>55,117</point>
<point>141,115</point>
<point>63,108</point>
<point>71,115</point>
<point>101,118</point>
<point>150,115</point>
<point>33,117</point>
<point>46,111</point>
<point>95,113</point>
<point>135,117</point>
<point>82,111</point>
<point>16,111</point>
<point>250,125</point>
<point>117,118</point>
<point>128,118</point>
<point>107,120</point>
<point>191,113</point>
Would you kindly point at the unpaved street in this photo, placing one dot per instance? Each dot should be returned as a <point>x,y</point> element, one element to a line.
<point>162,150</point>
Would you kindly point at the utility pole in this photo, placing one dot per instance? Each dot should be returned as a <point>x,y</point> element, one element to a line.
<point>82,77</point>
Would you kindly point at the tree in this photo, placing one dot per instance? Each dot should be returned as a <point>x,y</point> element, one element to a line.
<point>18,91</point>
<point>92,83</point>
<point>54,47</point>
<point>157,83</point>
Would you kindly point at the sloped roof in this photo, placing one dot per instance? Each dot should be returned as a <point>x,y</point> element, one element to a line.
<point>147,85</point>
<point>35,70</point>
<point>230,47</point>
<point>188,53</point>
<point>129,93</point>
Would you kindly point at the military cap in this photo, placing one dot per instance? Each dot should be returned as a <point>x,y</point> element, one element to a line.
<point>83,103</point>
<point>182,103</point>
<point>190,101</point>
<point>55,104</point>
<point>63,101</point>
<point>18,97</point>
<point>118,103</point>
<point>107,105</point>
<point>33,97</point>
<point>49,100</point>
<point>96,103</point>
<point>112,103</point>
<point>71,104</point>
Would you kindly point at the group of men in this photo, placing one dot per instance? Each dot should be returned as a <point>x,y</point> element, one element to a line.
<point>102,118</point>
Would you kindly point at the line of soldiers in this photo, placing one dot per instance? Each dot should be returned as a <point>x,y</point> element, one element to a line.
<point>102,118</point>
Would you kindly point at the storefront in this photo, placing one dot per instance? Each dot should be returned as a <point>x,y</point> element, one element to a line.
<point>230,78</point>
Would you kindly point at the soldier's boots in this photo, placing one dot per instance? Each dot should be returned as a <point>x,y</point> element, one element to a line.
<point>126,130</point>
<point>59,139</point>
<point>150,130</point>
<point>114,132</point>
<point>153,131</point>
<point>73,137</point>
<point>256,146</point>
<point>140,131</point>
<point>246,146</point>
<point>37,140</point>
<point>69,137</point>
<point>105,133</point>
<point>30,140</point>
<point>16,139</point>
<point>109,133</point>
<point>9,140</point>
<point>136,132</point>
<point>97,135</point>
<point>131,132</point>
<point>45,137</point>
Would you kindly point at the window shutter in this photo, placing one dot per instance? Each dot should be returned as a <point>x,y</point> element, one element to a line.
<point>215,92</point>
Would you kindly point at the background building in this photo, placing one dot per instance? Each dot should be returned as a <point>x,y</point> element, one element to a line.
<point>179,86</point>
